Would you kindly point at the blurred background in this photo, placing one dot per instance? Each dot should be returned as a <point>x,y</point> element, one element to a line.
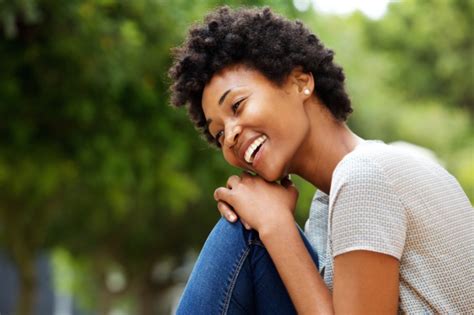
<point>106,191</point>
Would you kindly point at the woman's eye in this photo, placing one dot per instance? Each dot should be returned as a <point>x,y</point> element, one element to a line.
<point>218,137</point>
<point>236,105</point>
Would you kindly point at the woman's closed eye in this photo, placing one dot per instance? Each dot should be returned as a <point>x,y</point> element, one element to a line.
<point>220,134</point>
<point>218,137</point>
<point>236,105</point>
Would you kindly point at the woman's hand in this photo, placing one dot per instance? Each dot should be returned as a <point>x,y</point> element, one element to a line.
<point>257,202</point>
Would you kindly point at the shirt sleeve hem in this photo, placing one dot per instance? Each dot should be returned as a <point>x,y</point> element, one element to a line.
<point>367,248</point>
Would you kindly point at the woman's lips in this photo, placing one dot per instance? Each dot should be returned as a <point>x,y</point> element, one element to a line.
<point>258,156</point>
<point>253,147</point>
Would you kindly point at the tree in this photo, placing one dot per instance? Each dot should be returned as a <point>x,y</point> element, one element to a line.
<point>93,158</point>
<point>432,45</point>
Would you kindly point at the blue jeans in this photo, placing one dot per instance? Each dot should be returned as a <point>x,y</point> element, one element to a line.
<point>234,274</point>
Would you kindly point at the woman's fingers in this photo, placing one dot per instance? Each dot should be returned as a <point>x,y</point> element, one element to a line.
<point>233,180</point>
<point>245,224</point>
<point>222,196</point>
<point>226,211</point>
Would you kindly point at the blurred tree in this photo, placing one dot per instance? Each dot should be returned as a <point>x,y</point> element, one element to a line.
<point>83,112</point>
<point>92,157</point>
<point>432,44</point>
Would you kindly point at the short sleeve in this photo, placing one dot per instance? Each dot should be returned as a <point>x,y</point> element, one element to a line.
<point>366,212</point>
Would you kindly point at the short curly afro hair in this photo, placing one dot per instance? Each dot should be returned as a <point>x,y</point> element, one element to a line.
<point>260,40</point>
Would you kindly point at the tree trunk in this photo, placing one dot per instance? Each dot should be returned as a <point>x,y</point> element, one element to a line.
<point>146,298</point>
<point>105,300</point>
<point>28,286</point>
<point>105,297</point>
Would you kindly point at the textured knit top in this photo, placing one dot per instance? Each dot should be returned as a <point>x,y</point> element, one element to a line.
<point>387,200</point>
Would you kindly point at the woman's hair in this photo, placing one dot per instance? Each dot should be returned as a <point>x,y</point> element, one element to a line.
<point>260,40</point>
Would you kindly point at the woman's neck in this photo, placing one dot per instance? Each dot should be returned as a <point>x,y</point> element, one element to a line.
<point>327,142</point>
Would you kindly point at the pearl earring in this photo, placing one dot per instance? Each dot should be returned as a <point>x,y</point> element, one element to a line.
<point>306,91</point>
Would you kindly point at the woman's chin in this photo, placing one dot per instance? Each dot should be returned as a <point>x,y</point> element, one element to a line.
<point>271,177</point>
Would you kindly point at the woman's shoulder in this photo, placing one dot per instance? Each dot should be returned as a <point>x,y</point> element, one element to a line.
<point>376,158</point>
<point>363,161</point>
<point>376,167</point>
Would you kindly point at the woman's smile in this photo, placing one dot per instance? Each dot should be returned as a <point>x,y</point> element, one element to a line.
<point>250,117</point>
<point>252,149</point>
<point>258,155</point>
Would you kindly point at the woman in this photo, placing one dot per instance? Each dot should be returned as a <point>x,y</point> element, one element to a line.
<point>388,231</point>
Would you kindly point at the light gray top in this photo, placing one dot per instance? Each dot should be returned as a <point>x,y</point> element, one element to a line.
<point>388,200</point>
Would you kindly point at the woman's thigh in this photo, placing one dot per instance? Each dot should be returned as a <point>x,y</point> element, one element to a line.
<point>234,274</point>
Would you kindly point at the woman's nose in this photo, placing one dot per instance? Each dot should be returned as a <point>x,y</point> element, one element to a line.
<point>232,133</point>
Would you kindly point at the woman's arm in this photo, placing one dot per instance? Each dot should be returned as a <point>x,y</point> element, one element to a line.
<point>296,268</point>
<point>364,282</point>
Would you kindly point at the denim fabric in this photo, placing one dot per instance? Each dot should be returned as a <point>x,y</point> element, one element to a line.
<point>234,274</point>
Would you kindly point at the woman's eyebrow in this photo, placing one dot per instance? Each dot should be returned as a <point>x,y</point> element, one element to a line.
<point>221,100</point>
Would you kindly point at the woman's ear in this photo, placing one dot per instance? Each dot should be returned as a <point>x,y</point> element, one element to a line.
<point>302,81</point>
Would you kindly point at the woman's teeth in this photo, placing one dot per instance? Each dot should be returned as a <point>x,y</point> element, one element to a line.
<point>251,149</point>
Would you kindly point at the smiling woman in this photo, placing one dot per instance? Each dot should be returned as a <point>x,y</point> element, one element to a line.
<point>267,93</point>
<point>250,104</point>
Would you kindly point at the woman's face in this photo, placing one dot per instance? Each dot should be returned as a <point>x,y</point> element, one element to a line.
<point>259,125</point>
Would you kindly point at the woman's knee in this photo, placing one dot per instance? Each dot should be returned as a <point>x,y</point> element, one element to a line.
<point>227,234</point>
<point>220,263</point>
<point>223,251</point>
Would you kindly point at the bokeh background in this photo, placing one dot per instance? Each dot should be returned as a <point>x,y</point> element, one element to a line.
<point>106,191</point>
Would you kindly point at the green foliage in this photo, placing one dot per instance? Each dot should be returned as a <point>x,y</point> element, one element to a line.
<point>92,156</point>
<point>432,50</point>
<point>95,161</point>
